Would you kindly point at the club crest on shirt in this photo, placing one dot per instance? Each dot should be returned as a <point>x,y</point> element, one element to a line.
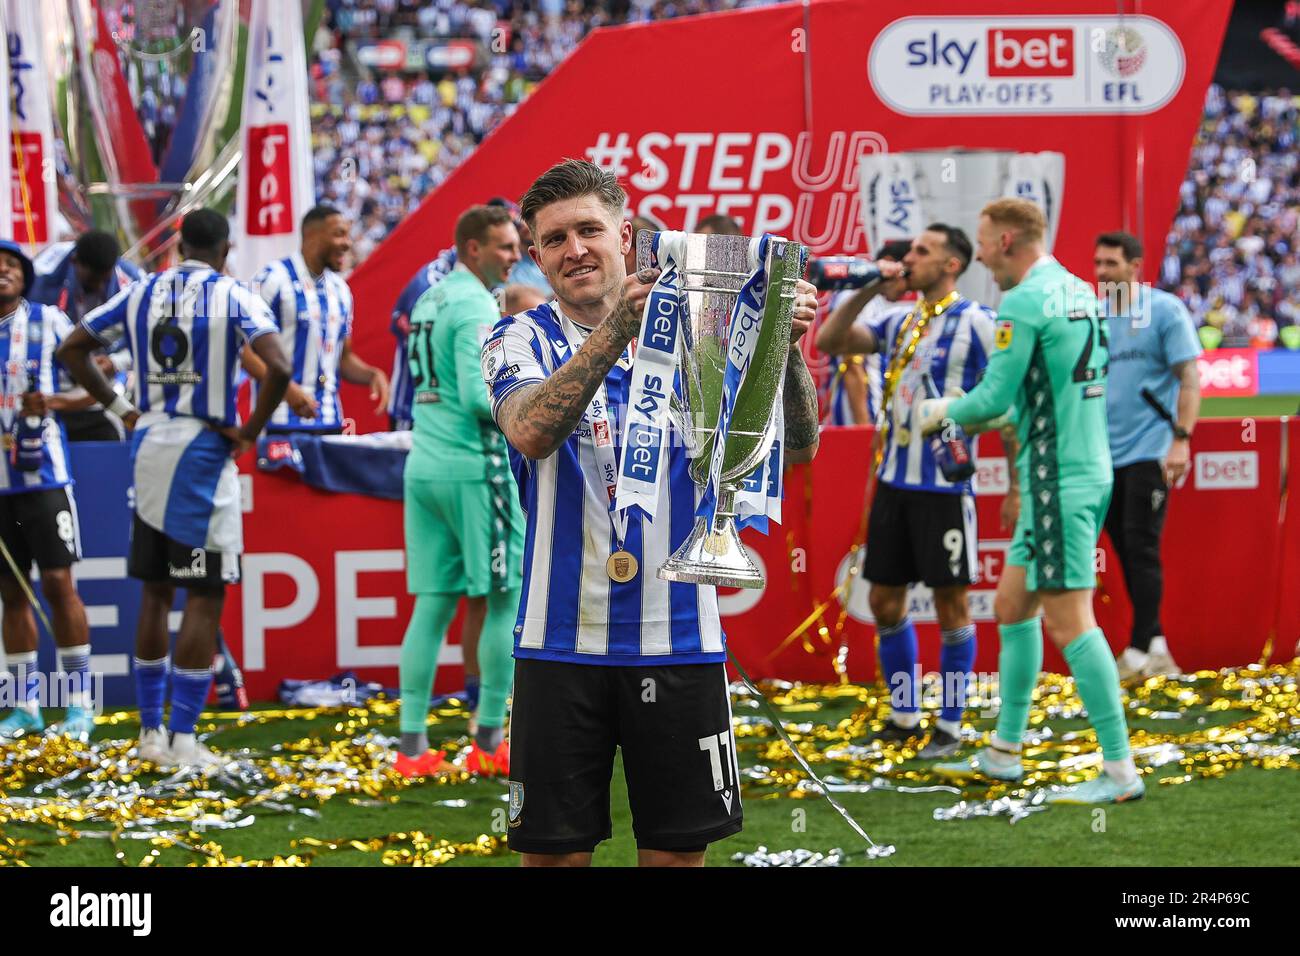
<point>493,358</point>
<point>516,802</point>
<point>1002,338</point>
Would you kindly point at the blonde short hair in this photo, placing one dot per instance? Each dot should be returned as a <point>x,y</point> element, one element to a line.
<point>1019,215</point>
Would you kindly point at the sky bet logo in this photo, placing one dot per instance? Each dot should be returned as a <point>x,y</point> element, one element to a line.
<point>641,456</point>
<point>1026,53</point>
<point>661,330</point>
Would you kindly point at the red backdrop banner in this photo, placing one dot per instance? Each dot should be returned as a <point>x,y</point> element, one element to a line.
<point>774,136</point>
<point>324,586</point>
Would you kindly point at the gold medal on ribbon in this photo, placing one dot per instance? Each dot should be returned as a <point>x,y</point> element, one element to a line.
<point>621,567</point>
<point>902,436</point>
<point>8,442</point>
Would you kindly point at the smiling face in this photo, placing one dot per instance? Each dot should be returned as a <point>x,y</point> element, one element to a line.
<point>993,244</point>
<point>331,239</point>
<point>579,246</point>
<point>496,255</point>
<point>11,277</point>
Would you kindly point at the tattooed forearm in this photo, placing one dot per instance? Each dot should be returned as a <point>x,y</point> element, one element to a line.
<point>800,409</point>
<point>539,419</point>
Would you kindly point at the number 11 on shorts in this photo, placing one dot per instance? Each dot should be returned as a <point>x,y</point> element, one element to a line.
<point>715,744</point>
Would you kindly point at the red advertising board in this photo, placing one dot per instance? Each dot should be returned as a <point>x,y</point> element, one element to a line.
<point>1229,372</point>
<point>324,586</point>
<point>775,137</point>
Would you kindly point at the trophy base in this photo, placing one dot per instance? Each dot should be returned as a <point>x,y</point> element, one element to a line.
<point>718,558</point>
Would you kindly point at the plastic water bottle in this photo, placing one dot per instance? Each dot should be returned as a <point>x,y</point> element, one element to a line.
<point>227,679</point>
<point>29,442</point>
<point>832,273</point>
<point>949,445</point>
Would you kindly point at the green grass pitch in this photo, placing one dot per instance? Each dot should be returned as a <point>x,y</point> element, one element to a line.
<point>1245,817</point>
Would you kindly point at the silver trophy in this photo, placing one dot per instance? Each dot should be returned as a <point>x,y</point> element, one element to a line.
<point>714,270</point>
<point>148,112</point>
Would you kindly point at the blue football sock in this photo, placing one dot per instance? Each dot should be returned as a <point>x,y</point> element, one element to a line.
<point>956,658</point>
<point>189,696</point>
<point>898,665</point>
<point>150,691</point>
<point>75,663</point>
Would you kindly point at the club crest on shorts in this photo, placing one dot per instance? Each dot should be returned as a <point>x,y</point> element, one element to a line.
<point>516,802</point>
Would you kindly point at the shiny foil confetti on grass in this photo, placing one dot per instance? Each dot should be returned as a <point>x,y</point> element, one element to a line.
<point>1200,727</point>
<point>101,791</point>
<point>1226,720</point>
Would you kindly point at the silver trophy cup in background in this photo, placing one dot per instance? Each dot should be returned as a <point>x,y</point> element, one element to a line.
<point>712,274</point>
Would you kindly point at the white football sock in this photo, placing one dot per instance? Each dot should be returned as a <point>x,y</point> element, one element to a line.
<point>952,727</point>
<point>906,719</point>
<point>1133,657</point>
<point>1158,646</point>
<point>1122,771</point>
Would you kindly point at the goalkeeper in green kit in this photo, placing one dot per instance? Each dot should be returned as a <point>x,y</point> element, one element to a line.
<point>1050,359</point>
<point>464,530</point>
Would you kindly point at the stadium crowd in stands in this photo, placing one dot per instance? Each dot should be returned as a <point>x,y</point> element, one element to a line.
<point>1232,254</point>
<point>383,140</point>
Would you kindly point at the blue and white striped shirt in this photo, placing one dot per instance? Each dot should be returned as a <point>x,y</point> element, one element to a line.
<point>401,395</point>
<point>955,350</point>
<point>47,327</point>
<point>570,610</point>
<point>185,328</point>
<point>838,410</point>
<point>315,321</point>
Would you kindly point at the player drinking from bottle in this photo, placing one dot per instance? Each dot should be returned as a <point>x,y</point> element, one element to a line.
<point>922,524</point>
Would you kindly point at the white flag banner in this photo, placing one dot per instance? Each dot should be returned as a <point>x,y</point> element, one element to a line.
<point>891,201</point>
<point>34,199</point>
<point>6,138</point>
<point>1039,177</point>
<point>276,186</point>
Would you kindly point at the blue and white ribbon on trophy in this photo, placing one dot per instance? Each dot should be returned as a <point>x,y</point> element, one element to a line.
<point>646,417</point>
<point>742,339</point>
<point>759,498</point>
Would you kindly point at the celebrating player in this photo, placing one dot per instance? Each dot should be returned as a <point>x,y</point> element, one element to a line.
<point>312,305</point>
<point>1051,359</point>
<point>464,532</point>
<point>922,525</point>
<point>1154,361</point>
<point>184,327</point>
<point>38,514</point>
<point>607,656</point>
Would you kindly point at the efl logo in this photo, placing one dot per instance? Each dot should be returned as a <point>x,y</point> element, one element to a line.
<point>1227,469</point>
<point>1043,52</point>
